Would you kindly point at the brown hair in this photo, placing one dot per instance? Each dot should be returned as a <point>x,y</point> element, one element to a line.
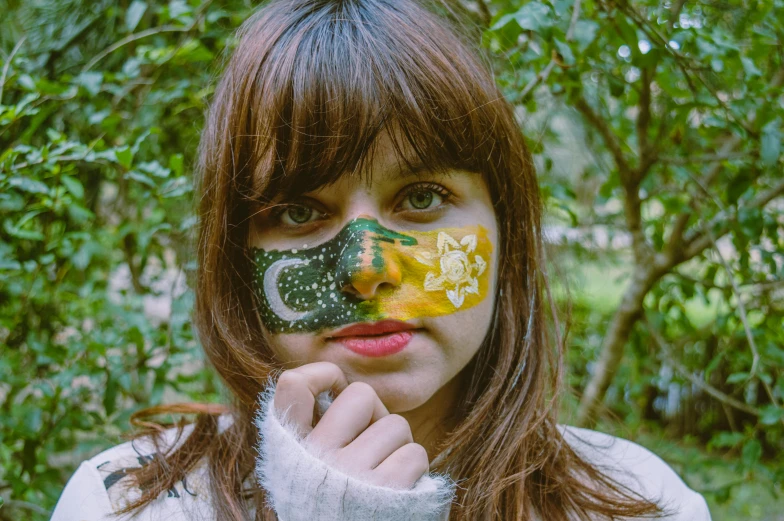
<point>310,86</point>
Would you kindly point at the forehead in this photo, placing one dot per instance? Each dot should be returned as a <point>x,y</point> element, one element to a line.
<point>390,157</point>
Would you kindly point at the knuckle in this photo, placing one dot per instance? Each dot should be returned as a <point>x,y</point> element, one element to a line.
<point>289,379</point>
<point>417,451</point>
<point>397,422</point>
<point>326,368</point>
<point>418,457</point>
<point>361,390</point>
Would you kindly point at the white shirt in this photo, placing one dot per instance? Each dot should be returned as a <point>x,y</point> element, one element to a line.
<point>97,488</point>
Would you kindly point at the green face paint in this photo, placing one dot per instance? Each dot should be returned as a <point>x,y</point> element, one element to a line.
<point>434,273</point>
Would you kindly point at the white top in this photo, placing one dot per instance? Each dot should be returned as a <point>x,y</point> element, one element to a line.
<point>291,473</point>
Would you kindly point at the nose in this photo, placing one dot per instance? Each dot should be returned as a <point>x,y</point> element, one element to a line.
<point>369,262</point>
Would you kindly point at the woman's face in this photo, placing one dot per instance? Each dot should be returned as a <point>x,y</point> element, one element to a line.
<point>391,277</point>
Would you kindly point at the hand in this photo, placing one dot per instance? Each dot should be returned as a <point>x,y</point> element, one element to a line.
<point>360,436</point>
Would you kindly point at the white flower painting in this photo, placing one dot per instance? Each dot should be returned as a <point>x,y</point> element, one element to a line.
<point>458,275</point>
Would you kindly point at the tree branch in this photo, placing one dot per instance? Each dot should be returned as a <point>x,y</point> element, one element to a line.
<point>676,235</point>
<point>706,158</point>
<point>148,32</point>
<point>698,242</point>
<point>755,287</point>
<point>741,305</point>
<point>628,313</point>
<point>573,21</point>
<point>8,65</point>
<point>646,274</point>
<point>56,52</point>
<point>538,79</point>
<point>727,150</point>
<point>609,137</point>
<point>724,398</point>
<point>629,180</point>
<point>545,73</point>
<point>643,120</point>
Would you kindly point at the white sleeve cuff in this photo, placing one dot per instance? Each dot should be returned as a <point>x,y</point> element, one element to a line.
<point>302,487</point>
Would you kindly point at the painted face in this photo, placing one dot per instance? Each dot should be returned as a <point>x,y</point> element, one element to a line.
<point>436,272</point>
<point>392,245</point>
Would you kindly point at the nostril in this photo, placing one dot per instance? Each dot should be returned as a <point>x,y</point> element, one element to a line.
<point>349,289</point>
<point>364,289</point>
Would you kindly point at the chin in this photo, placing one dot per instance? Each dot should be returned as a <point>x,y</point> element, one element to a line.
<point>400,392</point>
<point>398,403</point>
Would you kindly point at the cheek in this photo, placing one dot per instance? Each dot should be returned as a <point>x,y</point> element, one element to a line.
<point>294,350</point>
<point>460,334</point>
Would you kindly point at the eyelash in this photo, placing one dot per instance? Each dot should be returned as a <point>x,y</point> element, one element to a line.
<point>280,209</point>
<point>442,191</point>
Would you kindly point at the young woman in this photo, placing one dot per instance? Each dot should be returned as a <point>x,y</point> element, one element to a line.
<point>371,291</point>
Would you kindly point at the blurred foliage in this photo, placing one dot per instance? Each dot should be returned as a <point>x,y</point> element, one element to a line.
<point>658,133</point>
<point>100,115</point>
<point>656,128</point>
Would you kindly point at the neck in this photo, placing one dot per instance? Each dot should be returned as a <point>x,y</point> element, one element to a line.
<point>432,421</point>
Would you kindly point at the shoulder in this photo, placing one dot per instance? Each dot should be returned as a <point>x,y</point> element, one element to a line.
<point>639,469</point>
<point>101,486</point>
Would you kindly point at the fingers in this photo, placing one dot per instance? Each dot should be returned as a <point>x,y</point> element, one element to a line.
<point>351,412</point>
<point>379,441</point>
<point>296,391</point>
<point>362,438</point>
<point>402,468</point>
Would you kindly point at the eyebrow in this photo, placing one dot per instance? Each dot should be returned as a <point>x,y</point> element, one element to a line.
<point>411,168</point>
<point>414,167</point>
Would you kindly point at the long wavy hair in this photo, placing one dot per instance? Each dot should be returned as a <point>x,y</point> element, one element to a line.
<point>308,89</point>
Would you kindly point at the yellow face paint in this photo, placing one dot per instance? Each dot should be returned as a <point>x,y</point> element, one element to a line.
<point>394,276</point>
<point>445,272</point>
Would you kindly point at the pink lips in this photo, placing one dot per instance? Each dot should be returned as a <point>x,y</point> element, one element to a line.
<point>375,339</point>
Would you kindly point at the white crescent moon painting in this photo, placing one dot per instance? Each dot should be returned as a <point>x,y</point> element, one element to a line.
<point>276,304</point>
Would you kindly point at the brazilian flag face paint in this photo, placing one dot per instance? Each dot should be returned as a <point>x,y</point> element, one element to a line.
<point>429,274</point>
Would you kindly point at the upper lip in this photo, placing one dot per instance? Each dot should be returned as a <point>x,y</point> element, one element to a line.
<point>372,328</point>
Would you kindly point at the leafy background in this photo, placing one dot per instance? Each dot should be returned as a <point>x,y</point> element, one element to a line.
<point>657,131</point>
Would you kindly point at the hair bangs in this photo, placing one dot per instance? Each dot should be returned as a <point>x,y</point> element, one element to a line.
<point>346,72</point>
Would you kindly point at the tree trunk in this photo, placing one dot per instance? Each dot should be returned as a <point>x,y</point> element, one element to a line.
<point>620,329</point>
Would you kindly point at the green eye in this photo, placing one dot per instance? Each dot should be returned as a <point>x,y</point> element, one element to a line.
<point>299,214</point>
<point>421,200</point>
<point>424,197</point>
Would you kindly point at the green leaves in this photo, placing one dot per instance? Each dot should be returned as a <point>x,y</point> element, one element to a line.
<point>73,186</point>
<point>771,415</point>
<point>95,211</point>
<point>565,52</point>
<point>585,32</point>
<point>534,16</point>
<point>679,107</point>
<point>124,156</point>
<point>26,184</point>
<point>90,81</point>
<point>751,453</point>
<point>770,142</point>
<point>750,69</point>
<point>134,14</point>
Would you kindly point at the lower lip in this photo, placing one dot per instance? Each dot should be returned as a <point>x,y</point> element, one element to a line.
<point>381,345</point>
